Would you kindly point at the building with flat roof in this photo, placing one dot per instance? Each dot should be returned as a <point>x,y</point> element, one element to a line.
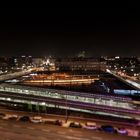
<point>84,64</point>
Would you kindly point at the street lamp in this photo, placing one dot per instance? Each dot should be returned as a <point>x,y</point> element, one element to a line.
<point>66,109</point>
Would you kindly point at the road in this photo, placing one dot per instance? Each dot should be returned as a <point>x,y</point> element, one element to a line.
<point>72,118</point>
<point>12,130</point>
<point>13,75</point>
<point>129,82</point>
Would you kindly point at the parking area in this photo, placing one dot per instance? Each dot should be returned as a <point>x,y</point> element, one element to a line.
<point>91,126</point>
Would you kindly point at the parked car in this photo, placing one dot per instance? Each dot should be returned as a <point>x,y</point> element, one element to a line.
<point>2,115</point>
<point>58,122</point>
<point>7,116</point>
<point>75,125</point>
<point>91,126</point>
<point>14,118</point>
<point>108,128</point>
<point>24,119</point>
<point>122,131</point>
<point>36,119</point>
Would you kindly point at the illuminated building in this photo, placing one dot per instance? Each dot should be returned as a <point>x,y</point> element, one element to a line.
<point>83,64</point>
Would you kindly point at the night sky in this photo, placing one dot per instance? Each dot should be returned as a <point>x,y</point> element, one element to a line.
<point>65,32</point>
